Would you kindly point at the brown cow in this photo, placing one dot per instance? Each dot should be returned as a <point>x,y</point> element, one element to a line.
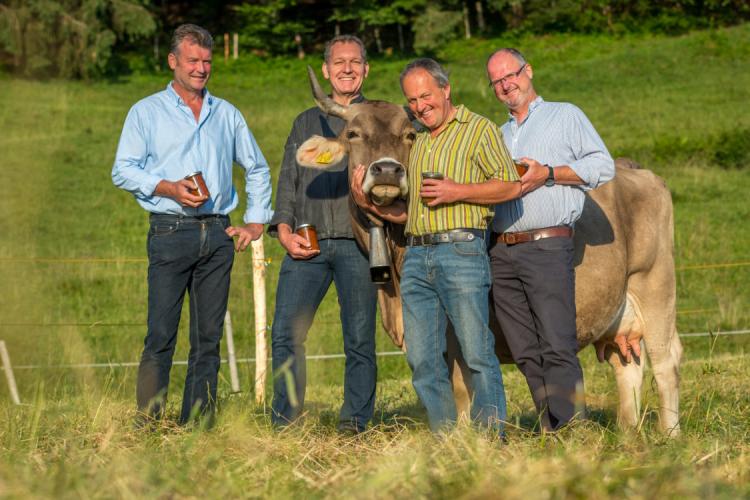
<point>625,281</point>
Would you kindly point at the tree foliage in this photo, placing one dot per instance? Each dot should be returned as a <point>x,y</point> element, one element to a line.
<point>68,38</point>
<point>84,38</point>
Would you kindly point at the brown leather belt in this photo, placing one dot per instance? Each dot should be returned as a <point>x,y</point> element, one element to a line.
<point>537,234</point>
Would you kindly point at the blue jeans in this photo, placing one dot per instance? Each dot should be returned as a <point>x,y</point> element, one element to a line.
<point>191,254</point>
<point>451,281</point>
<point>302,286</point>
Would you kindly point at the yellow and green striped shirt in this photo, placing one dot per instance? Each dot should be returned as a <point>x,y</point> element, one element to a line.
<point>469,150</point>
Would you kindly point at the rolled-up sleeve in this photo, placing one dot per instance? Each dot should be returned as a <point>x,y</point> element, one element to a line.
<point>593,163</point>
<point>257,175</point>
<point>128,171</point>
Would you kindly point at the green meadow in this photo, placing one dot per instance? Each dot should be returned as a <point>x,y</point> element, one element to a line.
<point>73,281</point>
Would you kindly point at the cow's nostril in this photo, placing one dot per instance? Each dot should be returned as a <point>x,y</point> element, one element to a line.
<point>399,170</point>
<point>375,169</point>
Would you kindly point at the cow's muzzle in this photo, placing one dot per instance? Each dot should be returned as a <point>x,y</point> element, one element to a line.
<point>385,181</point>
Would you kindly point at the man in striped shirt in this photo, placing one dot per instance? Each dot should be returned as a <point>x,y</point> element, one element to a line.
<point>445,274</point>
<point>532,255</point>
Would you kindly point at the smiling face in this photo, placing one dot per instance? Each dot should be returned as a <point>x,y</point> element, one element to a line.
<point>346,69</point>
<point>515,90</point>
<point>191,66</point>
<point>429,102</point>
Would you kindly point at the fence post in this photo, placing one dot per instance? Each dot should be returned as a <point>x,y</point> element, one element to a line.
<point>235,46</point>
<point>233,377</point>
<point>9,373</point>
<point>226,47</point>
<point>259,299</point>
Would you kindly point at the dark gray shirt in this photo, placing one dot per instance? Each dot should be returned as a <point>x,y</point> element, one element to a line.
<point>309,195</point>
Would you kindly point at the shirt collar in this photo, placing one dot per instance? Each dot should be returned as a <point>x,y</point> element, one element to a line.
<point>534,104</point>
<point>462,114</point>
<point>174,96</point>
<point>357,100</point>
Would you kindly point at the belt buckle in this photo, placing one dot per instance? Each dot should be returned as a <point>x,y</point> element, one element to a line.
<point>510,238</point>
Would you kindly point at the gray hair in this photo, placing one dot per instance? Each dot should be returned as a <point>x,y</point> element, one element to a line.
<point>429,65</point>
<point>194,34</point>
<point>509,50</point>
<point>343,39</point>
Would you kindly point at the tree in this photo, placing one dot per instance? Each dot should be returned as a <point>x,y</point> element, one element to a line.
<point>68,38</point>
<point>273,26</point>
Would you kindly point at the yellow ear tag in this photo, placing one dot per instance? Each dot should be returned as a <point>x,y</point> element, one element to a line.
<point>324,158</point>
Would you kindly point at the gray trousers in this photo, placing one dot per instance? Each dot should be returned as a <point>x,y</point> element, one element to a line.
<point>533,290</point>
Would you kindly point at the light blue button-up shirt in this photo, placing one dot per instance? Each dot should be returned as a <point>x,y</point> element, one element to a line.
<point>553,133</point>
<point>161,140</point>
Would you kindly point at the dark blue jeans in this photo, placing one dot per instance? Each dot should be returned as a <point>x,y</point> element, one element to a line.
<point>191,254</point>
<point>302,286</point>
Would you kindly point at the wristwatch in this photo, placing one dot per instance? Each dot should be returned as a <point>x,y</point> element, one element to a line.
<point>550,177</point>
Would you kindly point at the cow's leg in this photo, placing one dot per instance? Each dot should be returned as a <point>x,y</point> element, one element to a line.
<point>460,377</point>
<point>629,376</point>
<point>389,300</point>
<point>656,298</point>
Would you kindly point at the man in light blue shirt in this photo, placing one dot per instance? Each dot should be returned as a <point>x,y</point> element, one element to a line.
<point>167,136</point>
<point>532,253</point>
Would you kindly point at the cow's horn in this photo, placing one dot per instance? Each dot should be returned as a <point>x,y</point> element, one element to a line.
<point>323,101</point>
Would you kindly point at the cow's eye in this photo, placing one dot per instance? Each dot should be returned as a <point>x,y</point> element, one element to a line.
<point>352,134</point>
<point>411,136</point>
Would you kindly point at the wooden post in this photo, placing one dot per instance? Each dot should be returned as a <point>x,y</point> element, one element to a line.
<point>226,47</point>
<point>234,379</point>
<point>298,42</point>
<point>259,299</point>
<point>235,46</point>
<point>9,373</point>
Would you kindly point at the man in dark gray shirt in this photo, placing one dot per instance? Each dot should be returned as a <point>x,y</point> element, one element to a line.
<point>321,197</point>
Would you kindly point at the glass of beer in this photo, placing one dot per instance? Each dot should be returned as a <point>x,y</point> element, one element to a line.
<point>308,232</point>
<point>430,175</point>
<point>521,166</point>
<point>199,185</point>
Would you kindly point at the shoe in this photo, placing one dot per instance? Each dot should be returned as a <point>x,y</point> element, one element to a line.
<point>349,429</point>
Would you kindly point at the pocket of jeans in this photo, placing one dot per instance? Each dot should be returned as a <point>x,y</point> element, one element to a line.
<point>163,229</point>
<point>469,248</point>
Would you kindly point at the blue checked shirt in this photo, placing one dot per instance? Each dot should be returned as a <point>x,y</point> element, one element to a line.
<point>161,140</point>
<point>556,134</point>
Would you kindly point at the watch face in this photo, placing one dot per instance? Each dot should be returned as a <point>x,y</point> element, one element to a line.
<point>550,177</point>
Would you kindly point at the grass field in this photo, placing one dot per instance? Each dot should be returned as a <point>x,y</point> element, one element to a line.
<point>72,267</point>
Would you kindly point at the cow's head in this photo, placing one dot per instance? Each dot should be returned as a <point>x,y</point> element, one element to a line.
<point>377,135</point>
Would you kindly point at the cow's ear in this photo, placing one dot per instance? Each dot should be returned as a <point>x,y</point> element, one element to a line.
<point>320,152</point>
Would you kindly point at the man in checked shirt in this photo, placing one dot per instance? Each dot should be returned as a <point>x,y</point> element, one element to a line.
<point>531,253</point>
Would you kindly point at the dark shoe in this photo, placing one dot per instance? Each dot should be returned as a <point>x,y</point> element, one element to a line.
<point>349,429</point>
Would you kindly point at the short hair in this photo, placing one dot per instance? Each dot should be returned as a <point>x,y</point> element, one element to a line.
<point>431,66</point>
<point>194,34</point>
<point>344,39</point>
<point>509,50</point>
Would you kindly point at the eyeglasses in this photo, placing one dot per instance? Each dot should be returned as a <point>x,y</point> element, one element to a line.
<point>509,76</point>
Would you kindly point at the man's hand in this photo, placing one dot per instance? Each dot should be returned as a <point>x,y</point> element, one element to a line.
<point>395,212</point>
<point>179,192</point>
<point>443,191</point>
<point>245,234</point>
<point>360,198</point>
<point>534,177</point>
<point>295,245</point>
